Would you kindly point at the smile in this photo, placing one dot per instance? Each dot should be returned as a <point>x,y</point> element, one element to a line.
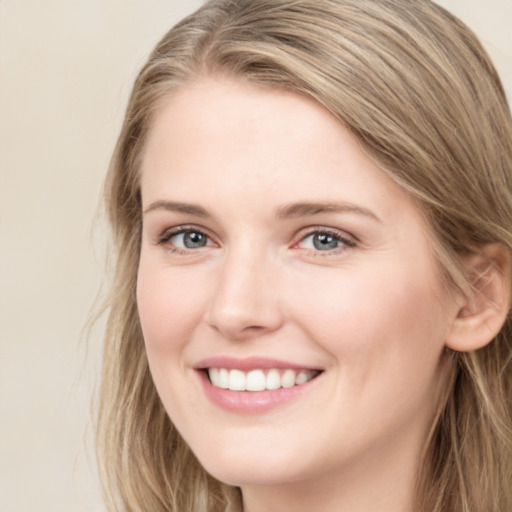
<point>258,379</point>
<point>254,385</point>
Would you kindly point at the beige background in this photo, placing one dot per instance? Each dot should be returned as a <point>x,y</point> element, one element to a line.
<point>66,68</point>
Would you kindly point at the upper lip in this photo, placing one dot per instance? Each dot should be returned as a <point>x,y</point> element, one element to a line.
<point>249,363</point>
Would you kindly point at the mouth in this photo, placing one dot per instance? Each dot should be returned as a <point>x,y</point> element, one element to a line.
<point>254,385</point>
<point>264,379</point>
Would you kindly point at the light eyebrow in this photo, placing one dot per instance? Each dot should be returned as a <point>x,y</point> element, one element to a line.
<point>172,206</point>
<point>304,209</point>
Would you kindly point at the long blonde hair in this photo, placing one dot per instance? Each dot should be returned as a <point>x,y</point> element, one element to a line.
<point>415,86</point>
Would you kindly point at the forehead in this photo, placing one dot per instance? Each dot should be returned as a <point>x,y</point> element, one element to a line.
<point>219,140</point>
<point>212,113</point>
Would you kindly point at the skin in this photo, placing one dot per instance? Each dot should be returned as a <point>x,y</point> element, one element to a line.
<point>371,313</point>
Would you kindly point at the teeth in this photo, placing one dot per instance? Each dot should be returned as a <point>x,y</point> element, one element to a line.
<point>273,380</point>
<point>288,379</point>
<point>223,378</point>
<point>236,380</point>
<point>302,377</point>
<point>255,381</point>
<point>258,380</point>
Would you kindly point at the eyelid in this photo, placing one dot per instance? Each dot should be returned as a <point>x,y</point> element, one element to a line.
<point>165,236</point>
<point>347,239</point>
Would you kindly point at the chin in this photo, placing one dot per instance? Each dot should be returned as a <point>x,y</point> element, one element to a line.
<point>256,468</point>
<point>244,475</point>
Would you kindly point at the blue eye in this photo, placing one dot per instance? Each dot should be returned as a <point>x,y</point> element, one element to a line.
<point>325,241</point>
<point>185,239</point>
<point>191,239</point>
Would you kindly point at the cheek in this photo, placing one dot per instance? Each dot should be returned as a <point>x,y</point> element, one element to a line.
<point>385,336</point>
<point>170,309</point>
<point>377,320</point>
<point>170,306</point>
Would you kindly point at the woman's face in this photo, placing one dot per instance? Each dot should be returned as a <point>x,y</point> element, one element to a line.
<point>277,257</point>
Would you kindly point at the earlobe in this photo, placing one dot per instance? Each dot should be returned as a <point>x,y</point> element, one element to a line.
<point>484,309</point>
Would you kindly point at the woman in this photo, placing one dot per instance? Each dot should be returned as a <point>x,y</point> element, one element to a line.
<point>311,206</point>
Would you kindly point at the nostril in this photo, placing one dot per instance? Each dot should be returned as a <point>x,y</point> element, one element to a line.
<point>241,327</point>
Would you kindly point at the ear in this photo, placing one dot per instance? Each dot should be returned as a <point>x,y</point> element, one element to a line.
<point>484,309</point>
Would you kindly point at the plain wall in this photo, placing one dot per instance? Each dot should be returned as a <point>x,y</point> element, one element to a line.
<point>66,69</point>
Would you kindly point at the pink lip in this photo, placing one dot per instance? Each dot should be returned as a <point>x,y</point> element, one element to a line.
<point>250,402</point>
<point>249,363</point>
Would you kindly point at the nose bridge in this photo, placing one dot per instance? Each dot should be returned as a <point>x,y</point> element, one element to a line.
<point>245,303</point>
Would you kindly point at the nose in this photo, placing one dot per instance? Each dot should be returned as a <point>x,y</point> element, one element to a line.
<point>245,304</point>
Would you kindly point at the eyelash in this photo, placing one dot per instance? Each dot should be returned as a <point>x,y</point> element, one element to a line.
<point>168,234</point>
<point>346,241</point>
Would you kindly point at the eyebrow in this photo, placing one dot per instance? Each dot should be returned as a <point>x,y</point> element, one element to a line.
<point>304,209</point>
<point>289,211</point>
<point>188,208</point>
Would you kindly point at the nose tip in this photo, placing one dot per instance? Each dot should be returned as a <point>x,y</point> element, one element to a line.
<point>244,305</point>
<point>243,320</point>
<point>239,325</point>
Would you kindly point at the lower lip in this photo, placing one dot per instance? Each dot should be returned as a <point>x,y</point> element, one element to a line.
<point>251,402</point>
